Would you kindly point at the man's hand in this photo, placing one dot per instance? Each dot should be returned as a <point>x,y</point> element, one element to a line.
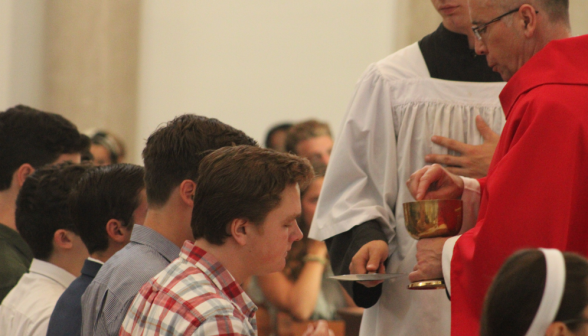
<point>434,182</point>
<point>474,160</point>
<point>370,259</point>
<point>321,329</point>
<point>428,256</point>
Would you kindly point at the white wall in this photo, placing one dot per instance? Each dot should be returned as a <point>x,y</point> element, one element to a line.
<point>21,52</point>
<point>5,51</point>
<point>255,63</point>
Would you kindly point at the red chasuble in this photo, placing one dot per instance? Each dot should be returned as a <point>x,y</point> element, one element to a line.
<point>536,191</point>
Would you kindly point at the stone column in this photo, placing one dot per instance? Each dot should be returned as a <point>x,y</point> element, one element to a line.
<point>91,62</point>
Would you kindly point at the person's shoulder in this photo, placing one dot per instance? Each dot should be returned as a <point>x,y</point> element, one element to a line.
<point>135,263</point>
<point>34,300</point>
<point>554,103</point>
<point>406,63</point>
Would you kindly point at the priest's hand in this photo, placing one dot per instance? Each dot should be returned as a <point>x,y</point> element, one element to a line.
<point>434,182</point>
<point>429,252</point>
<point>474,160</point>
<point>370,259</point>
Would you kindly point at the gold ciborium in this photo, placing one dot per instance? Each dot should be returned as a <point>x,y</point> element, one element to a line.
<point>430,219</point>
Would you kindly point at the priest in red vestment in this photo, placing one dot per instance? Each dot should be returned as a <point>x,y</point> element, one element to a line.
<point>536,191</point>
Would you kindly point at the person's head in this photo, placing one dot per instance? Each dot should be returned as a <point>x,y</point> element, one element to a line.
<point>513,300</point>
<point>455,14</point>
<point>309,196</point>
<point>105,203</point>
<point>42,214</point>
<point>30,139</point>
<point>310,139</point>
<point>276,137</point>
<point>173,152</point>
<point>510,32</point>
<point>106,149</point>
<point>251,196</point>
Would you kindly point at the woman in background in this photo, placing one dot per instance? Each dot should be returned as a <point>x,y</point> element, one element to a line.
<point>106,148</point>
<point>536,293</point>
<point>303,289</point>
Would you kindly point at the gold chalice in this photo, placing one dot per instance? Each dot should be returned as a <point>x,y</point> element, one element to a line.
<point>430,219</point>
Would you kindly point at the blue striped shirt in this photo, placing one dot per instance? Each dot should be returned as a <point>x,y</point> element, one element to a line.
<point>107,299</point>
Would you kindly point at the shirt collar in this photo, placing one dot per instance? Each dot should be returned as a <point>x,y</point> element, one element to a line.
<point>557,62</point>
<point>96,260</point>
<point>13,238</point>
<point>219,275</point>
<point>149,237</point>
<point>91,267</point>
<point>52,272</point>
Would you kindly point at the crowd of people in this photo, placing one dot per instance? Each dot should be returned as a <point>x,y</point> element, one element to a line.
<point>213,225</point>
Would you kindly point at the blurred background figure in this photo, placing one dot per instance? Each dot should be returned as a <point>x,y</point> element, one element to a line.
<point>311,139</point>
<point>276,137</point>
<point>536,293</point>
<point>106,148</point>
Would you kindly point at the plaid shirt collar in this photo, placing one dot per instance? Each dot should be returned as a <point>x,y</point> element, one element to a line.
<point>219,275</point>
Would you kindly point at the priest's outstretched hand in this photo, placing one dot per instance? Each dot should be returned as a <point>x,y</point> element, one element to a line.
<point>474,160</point>
<point>434,182</point>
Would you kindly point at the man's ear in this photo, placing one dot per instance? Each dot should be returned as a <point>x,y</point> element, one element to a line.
<point>529,16</point>
<point>240,229</point>
<point>116,231</point>
<point>556,329</point>
<point>63,239</point>
<point>21,174</point>
<point>187,190</point>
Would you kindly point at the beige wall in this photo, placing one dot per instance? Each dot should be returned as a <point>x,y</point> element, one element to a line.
<point>90,63</point>
<point>255,63</point>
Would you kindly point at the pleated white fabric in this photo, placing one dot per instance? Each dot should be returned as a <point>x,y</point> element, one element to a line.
<point>386,134</point>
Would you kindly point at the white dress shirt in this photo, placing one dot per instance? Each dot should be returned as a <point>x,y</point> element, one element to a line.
<point>27,308</point>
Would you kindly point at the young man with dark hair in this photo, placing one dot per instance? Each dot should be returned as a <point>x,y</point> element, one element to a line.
<point>172,156</point>
<point>104,205</point>
<point>244,224</point>
<point>29,139</point>
<point>44,222</point>
<point>310,139</point>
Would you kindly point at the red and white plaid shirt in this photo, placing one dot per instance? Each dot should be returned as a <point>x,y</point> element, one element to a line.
<point>194,295</point>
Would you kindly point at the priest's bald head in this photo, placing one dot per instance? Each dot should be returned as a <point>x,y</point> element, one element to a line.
<point>510,32</point>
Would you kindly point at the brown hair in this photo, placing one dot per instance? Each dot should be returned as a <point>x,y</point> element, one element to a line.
<point>515,294</point>
<point>303,131</point>
<point>242,182</point>
<point>173,152</point>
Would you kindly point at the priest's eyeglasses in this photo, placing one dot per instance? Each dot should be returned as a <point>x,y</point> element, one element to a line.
<point>481,29</point>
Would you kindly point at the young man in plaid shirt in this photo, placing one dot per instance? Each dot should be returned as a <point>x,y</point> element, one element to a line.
<point>244,222</point>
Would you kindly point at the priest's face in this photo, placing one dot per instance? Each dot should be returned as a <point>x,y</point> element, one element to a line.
<point>455,15</point>
<point>501,41</point>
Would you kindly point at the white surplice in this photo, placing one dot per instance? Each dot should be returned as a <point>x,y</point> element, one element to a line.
<point>386,134</point>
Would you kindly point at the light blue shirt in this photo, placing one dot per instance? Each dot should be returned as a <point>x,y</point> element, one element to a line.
<point>107,299</point>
